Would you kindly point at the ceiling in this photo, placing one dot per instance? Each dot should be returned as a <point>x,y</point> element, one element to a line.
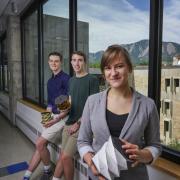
<point>12,7</point>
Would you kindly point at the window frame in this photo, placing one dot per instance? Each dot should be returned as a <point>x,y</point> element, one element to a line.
<point>155,60</point>
<point>34,6</point>
<point>38,6</point>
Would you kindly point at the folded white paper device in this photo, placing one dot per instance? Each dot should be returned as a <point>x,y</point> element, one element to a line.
<point>111,159</point>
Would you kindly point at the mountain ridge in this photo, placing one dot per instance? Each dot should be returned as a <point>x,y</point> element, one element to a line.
<point>139,52</point>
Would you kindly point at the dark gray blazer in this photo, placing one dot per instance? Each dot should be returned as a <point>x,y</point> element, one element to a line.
<point>141,128</point>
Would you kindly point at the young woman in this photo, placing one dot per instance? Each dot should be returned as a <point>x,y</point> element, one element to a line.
<point>122,112</point>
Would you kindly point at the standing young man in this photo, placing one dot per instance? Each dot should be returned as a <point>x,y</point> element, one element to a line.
<point>57,85</point>
<point>80,87</point>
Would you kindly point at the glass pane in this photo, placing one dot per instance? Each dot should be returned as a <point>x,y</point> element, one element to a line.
<point>170,76</point>
<point>56,35</point>
<point>6,77</point>
<point>0,65</point>
<point>1,86</point>
<point>31,57</point>
<point>5,66</point>
<point>109,22</point>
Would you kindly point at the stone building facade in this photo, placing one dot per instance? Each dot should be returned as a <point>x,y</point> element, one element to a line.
<point>170,100</point>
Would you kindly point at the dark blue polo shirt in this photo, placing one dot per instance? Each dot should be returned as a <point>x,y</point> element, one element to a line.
<point>57,85</point>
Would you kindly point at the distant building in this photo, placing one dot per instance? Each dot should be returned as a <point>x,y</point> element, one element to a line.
<point>176,60</point>
<point>170,100</point>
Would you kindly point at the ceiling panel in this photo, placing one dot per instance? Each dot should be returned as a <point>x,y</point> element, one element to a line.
<point>13,6</point>
<point>3,5</point>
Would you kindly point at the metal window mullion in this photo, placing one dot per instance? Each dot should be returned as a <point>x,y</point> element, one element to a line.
<point>24,88</point>
<point>3,72</point>
<point>40,54</point>
<point>72,30</point>
<point>155,51</point>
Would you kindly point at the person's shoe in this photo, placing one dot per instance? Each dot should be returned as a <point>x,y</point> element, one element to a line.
<point>46,175</point>
<point>26,178</point>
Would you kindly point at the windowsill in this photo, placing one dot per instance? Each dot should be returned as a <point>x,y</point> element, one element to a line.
<point>33,106</point>
<point>168,167</point>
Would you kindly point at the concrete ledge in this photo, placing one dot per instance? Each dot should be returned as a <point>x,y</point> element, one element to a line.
<point>168,167</point>
<point>33,106</point>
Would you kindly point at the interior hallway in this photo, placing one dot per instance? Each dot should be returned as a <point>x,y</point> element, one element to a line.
<point>15,148</point>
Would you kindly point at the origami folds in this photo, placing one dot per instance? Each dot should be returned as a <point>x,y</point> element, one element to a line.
<point>111,159</point>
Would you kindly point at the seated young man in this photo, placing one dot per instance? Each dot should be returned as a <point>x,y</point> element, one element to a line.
<point>80,87</point>
<point>57,85</point>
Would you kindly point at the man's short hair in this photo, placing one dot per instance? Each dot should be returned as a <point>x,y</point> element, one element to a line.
<point>80,53</point>
<point>55,53</point>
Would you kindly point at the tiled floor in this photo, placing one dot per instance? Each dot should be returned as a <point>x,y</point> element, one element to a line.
<point>15,148</point>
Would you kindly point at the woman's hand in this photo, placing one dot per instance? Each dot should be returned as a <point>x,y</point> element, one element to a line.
<point>136,154</point>
<point>88,159</point>
<point>100,177</point>
<point>94,170</point>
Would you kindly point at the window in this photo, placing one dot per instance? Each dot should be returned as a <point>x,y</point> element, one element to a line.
<point>45,28</point>
<point>98,26</point>
<point>31,57</point>
<point>176,85</point>
<point>1,86</point>
<point>167,108</point>
<point>6,76</point>
<point>167,84</point>
<point>109,22</point>
<point>56,35</point>
<point>167,131</point>
<point>170,74</point>
<point>166,127</point>
<point>4,73</point>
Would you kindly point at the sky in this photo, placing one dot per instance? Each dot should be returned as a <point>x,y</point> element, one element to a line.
<point>171,21</point>
<point>119,21</point>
